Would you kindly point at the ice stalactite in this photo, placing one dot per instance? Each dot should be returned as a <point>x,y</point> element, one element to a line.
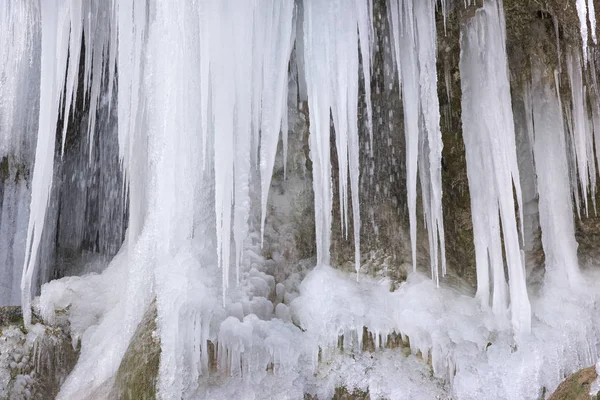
<point>19,74</point>
<point>130,27</point>
<point>19,91</point>
<point>581,133</point>
<point>331,60</point>
<point>200,163</point>
<point>53,61</point>
<point>492,163</point>
<point>552,169</point>
<point>414,37</point>
<point>274,33</point>
<point>63,24</point>
<point>583,27</point>
<point>430,109</point>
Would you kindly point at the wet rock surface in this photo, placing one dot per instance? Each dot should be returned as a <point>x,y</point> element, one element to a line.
<point>576,386</point>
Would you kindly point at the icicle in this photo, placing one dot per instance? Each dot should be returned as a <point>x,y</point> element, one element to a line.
<point>592,19</point>
<point>596,125</point>
<point>278,25</point>
<point>591,163</point>
<point>556,34</point>
<point>131,16</point>
<point>242,78</point>
<point>19,92</point>
<point>447,80</point>
<point>572,157</point>
<point>582,14</point>
<point>414,34</point>
<point>331,61</point>
<point>73,70</point>
<point>365,34</point>
<point>406,61</point>
<point>581,135</point>
<point>430,111</point>
<point>552,169</point>
<point>223,103</point>
<point>55,28</point>
<point>492,163</point>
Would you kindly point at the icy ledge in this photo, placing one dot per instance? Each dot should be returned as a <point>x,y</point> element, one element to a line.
<point>466,345</point>
<point>297,338</point>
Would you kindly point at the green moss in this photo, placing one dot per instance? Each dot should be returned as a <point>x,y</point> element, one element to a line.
<point>577,386</point>
<point>138,372</point>
<point>11,316</point>
<point>342,393</point>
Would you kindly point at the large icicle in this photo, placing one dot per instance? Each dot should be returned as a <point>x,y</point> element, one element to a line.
<point>63,25</point>
<point>19,91</point>
<point>131,29</point>
<point>430,111</point>
<point>552,169</point>
<point>55,27</point>
<point>414,35</point>
<point>401,23</point>
<point>331,61</point>
<point>274,24</point>
<point>492,162</point>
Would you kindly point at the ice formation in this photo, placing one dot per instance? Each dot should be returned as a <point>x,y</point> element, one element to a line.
<point>188,104</point>
<point>492,167</point>
<point>556,210</point>
<point>19,72</point>
<point>586,11</point>
<point>331,62</point>
<point>414,33</point>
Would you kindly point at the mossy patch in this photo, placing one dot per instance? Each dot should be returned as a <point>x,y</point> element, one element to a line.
<point>137,375</point>
<point>577,386</point>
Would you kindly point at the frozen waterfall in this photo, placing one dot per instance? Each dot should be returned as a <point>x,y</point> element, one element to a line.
<point>211,160</point>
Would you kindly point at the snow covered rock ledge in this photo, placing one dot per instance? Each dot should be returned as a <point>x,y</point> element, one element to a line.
<point>33,363</point>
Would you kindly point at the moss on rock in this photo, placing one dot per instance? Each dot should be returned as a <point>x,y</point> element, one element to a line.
<point>137,375</point>
<point>577,386</point>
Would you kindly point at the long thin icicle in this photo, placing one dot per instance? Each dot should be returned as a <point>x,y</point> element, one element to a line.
<point>581,134</point>
<point>331,61</point>
<point>55,28</point>
<point>582,14</point>
<point>414,33</point>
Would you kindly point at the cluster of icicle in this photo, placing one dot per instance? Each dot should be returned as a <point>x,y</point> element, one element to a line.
<point>230,114</point>
<point>234,103</point>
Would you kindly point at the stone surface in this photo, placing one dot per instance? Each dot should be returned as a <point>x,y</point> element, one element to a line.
<point>577,386</point>
<point>138,372</point>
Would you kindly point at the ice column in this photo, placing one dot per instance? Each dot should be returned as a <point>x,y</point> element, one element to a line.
<point>19,91</point>
<point>552,169</point>
<point>332,30</point>
<point>492,168</point>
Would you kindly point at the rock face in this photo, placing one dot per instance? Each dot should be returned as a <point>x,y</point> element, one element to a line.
<point>35,363</point>
<point>577,386</point>
<point>137,374</point>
